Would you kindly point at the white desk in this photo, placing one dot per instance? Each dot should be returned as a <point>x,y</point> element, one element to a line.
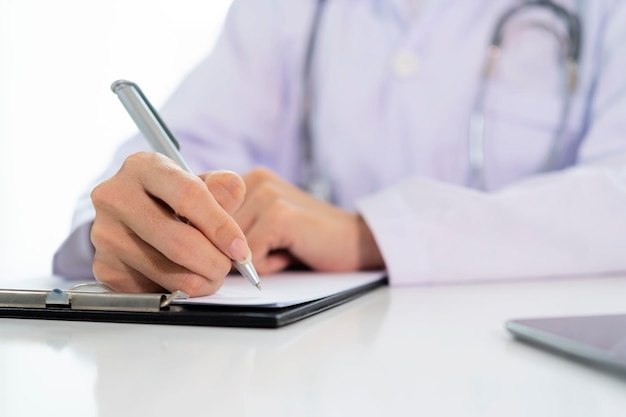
<point>430,351</point>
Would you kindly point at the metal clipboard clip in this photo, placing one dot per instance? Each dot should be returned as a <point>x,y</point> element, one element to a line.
<point>104,300</point>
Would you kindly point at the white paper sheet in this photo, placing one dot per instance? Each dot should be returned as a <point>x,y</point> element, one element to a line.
<point>284,289</point>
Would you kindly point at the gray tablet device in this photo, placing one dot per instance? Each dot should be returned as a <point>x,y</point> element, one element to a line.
<point>599,339</point>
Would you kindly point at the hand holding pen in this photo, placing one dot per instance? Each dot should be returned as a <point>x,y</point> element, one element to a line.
<point>140,242</point>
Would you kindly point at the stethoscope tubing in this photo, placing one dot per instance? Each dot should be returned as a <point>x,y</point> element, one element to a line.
<point>313,179</point>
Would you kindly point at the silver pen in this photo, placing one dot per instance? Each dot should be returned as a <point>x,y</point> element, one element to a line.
<point>162,140</point>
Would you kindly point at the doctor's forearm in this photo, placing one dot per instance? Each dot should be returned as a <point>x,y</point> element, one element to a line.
<point>567,223</point>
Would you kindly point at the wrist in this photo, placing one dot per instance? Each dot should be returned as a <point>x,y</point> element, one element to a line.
<point>369,255</point>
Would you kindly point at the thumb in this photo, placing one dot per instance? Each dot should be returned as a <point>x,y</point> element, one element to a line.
<point>227,188</point>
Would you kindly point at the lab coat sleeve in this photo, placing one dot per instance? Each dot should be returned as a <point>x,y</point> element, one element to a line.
<point>226,114</point>
<point>566,223</point>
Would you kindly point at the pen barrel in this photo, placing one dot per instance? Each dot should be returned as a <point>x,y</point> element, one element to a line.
<point>149,124</point>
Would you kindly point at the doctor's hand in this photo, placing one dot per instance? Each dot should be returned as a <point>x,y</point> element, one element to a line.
<point>141,244</point>
<point>285,225</point>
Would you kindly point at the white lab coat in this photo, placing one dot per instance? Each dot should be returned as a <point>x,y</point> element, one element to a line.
<point>391,108</point>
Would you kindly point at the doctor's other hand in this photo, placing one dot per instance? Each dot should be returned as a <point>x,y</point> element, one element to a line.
<point>285,225</point>
<point>157,227</point>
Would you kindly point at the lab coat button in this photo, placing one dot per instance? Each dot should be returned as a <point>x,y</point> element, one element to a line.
<point>404,64</point>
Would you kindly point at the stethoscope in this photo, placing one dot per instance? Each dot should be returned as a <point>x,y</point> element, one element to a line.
<point>314,182</point>
<point>570,45</point>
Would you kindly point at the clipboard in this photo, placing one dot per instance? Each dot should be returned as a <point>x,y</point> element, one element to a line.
<point>77,304</point>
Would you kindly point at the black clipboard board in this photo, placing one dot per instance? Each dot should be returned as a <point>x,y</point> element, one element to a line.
<point>158,308</point>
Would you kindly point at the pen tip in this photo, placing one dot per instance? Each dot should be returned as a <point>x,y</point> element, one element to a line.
<point>259,286</point>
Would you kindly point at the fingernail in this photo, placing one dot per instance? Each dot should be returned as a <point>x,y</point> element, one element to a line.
<point>239,251</point>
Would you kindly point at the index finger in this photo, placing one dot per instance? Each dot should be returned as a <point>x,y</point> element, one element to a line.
<point>190,198</point>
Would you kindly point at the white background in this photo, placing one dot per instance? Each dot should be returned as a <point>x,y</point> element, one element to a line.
<point>59,120</point>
